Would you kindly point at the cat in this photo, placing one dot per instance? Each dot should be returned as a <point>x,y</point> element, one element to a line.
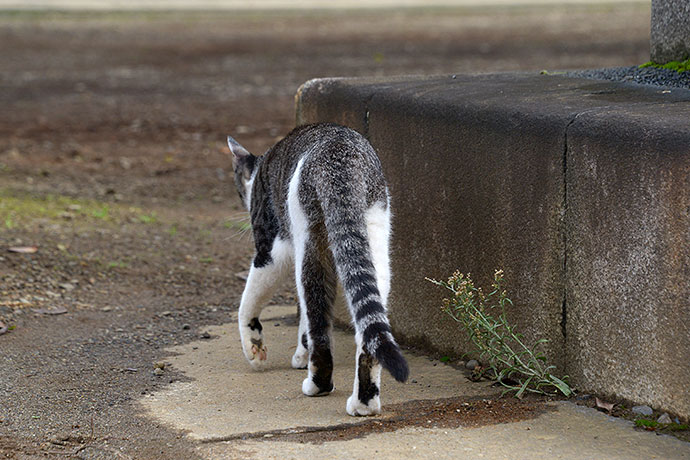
<point>318,202</point>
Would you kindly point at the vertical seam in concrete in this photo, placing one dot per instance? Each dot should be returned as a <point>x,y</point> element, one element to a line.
<point>366,115</point>
<point>564,305</point>
<point>564,310</point>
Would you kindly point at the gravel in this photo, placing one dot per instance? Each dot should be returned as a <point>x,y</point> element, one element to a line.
<point>634,74</point>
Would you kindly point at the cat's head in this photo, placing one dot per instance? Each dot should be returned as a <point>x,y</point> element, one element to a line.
<point>243,164</point>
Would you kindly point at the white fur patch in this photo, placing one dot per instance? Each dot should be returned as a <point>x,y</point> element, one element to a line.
<point>356,408</point>
<point>248,192</point>
<point>282,253</point>
<point>301,356</point>
<point>299,230</point>
<point>378,222</point>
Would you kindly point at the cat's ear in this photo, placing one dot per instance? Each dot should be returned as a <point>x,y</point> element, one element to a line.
<point>238,152</point>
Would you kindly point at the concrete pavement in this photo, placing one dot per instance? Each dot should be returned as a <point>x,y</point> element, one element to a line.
<point>230,411</point>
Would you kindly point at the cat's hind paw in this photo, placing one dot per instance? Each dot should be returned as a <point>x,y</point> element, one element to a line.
<point>300,358</point>
<point>356,408</point>
<point>309,388</point>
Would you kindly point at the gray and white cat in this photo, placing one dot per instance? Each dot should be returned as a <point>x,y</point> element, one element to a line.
<point>319,203</point>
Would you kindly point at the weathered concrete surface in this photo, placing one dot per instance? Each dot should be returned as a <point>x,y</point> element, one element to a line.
<point>477,169</point>
<point>226,409</point>
<point>628,240</point>
<point>225,398</point>
<point>670,37</point>
<point>569,433</point>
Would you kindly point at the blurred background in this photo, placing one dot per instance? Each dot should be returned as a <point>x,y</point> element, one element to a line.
<point>114,114</point>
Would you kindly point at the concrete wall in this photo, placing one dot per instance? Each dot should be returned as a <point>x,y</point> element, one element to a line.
<point>628,253</point>
<point>491,171</point>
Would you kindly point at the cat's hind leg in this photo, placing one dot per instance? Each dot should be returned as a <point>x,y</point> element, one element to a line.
<point>365,398</point>
<point>316,282</point>
<point>262,282</point>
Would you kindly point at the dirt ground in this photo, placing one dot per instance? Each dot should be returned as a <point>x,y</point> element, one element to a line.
<point>115,175</point>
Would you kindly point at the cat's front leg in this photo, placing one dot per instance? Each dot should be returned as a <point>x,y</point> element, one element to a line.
<point>262,282</point>
<point>256,291</point>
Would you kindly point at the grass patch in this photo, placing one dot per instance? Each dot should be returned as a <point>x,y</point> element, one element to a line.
<point>116,264</point>
<point>147,218</point>
<point>18,209</point>
<point>653,425</point>
<point>22,209</point>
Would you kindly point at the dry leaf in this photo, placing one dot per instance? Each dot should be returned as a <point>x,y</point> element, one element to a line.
<point>604,405</point>
<point>23,249</point>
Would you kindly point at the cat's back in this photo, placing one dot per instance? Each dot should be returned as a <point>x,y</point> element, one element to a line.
<point>326,156</point>
<point>322,144</point>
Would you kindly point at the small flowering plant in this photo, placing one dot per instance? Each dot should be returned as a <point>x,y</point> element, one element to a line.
<point>516,366</point>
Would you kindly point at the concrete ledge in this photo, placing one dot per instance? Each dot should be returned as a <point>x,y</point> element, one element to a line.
<point>578,189</point>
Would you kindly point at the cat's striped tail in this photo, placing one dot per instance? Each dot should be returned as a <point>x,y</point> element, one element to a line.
<point>352,252</point>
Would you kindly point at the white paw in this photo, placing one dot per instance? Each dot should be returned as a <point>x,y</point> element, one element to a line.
<point>309,388</point>
<point>356,408</point>
<point>300,358</point>
<point>256,355</point>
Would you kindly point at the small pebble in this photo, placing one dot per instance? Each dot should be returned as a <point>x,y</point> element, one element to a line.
<point>158,371</point>
<point>186,326</point>
<point>205,335</point>
<point>665,418</point>
<point>642,410</point>
<point>159,365</point>
<point>471,364</point>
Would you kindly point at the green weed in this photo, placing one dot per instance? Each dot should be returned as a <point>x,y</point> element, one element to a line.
<point>516,366</point>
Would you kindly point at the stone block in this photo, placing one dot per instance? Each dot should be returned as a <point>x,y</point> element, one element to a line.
<point>628,254</point>
<point>670,34</point>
